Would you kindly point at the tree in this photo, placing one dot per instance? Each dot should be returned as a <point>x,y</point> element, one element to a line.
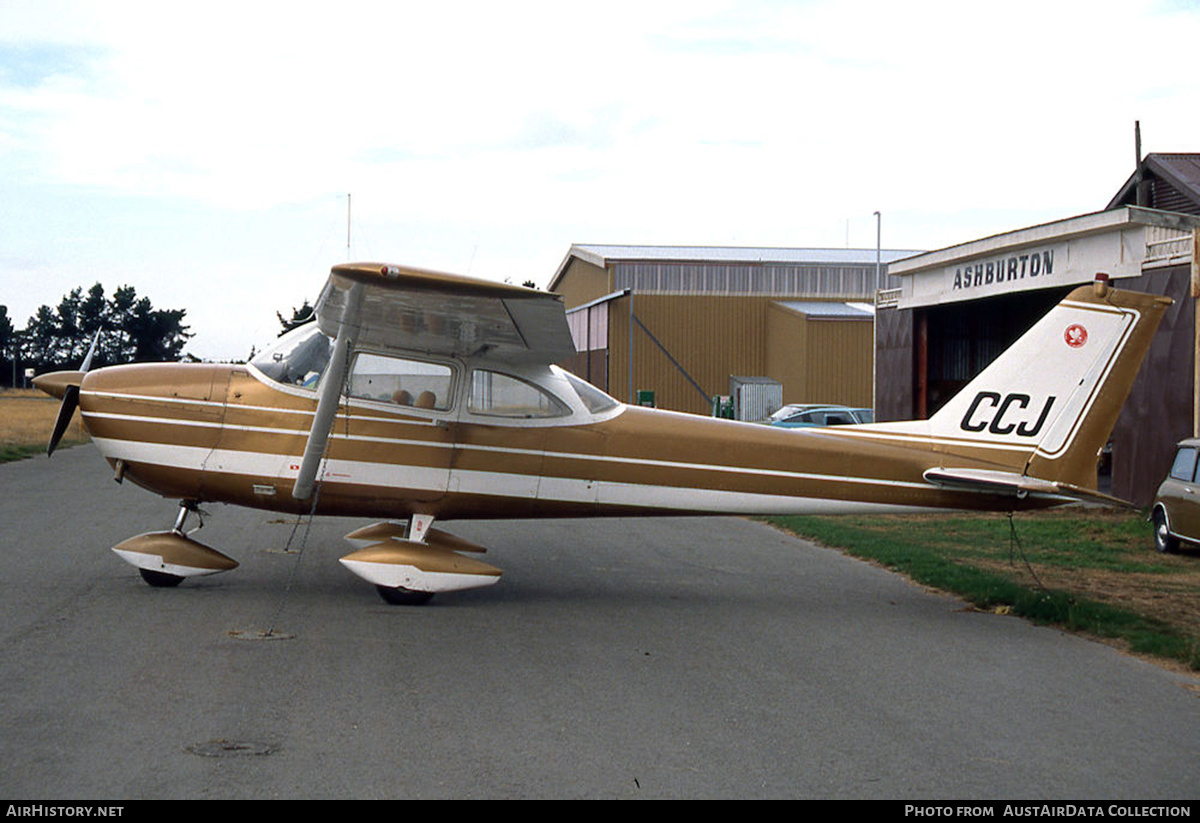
<point>8,346</point>
<point>132,331</point>
<point>300,316</point>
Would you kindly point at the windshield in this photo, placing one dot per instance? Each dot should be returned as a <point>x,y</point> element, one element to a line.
<point>595,400</point>
<point>298,358</point>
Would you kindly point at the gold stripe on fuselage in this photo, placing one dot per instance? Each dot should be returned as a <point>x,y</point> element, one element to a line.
<point>233,448</point>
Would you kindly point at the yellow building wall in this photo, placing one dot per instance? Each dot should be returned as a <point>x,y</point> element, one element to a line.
<point>820,360</point>
<point>712,337</point>
<point>582,282</point>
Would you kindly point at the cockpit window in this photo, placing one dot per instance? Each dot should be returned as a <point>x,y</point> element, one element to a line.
<point>502,395</point>
<point>595,400</point>
<point>298,358</point>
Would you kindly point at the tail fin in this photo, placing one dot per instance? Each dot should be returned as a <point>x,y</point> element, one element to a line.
<point>1047,405</point>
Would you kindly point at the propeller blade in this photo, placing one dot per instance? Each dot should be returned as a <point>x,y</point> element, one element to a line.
<point>87,361</point>
<point>70,396</point>
<point>65,412</point>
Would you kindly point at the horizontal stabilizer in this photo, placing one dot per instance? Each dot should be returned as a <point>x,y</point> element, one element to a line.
<point>1014,484</point>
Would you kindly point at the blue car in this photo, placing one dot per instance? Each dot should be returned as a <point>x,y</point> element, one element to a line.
<point>797,417</point>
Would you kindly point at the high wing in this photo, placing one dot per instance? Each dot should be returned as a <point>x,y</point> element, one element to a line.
<point>381,306</point>
<point>394,307</point>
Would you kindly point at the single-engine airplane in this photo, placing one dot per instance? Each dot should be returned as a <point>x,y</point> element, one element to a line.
<point>418,396</point>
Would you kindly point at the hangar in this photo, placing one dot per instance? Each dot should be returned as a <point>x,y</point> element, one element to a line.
<point>682,324</point>
<point>949,312</point>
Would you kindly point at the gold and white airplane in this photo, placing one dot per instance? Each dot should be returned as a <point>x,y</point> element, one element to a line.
<point>418,396</point>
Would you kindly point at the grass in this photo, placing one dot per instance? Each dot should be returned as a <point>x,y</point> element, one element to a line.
<point>26,420</point>
<point>1083,569</point>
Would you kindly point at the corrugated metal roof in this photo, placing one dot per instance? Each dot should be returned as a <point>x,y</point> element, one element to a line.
<point>1182,171</point>
<point>829,310</point>
<point>601,254</point>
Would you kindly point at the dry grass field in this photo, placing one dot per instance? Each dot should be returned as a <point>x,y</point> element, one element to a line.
<point>26,420</point>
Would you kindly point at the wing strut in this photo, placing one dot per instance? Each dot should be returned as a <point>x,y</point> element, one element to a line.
<point>331,392</point>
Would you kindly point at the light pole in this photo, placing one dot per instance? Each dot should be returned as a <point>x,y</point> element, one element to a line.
<point>875,318</point>
<point>878,235</point>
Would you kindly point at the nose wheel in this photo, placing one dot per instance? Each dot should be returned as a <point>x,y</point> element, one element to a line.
<point>160,580</point>
<point>164,559</point>
<point>395,596</point>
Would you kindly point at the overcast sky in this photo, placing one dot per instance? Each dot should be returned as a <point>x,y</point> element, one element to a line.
<point>204,153</point>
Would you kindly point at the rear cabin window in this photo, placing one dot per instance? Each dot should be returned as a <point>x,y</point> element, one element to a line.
<point>401,381</point>
<point>1184,467</point>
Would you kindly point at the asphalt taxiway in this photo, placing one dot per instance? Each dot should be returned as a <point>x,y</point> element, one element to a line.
<point>655,658</point>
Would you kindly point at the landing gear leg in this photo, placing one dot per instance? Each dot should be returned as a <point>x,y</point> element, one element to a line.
<point>187,507</point>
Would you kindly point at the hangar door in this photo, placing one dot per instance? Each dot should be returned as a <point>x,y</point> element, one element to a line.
<point>956,341</point>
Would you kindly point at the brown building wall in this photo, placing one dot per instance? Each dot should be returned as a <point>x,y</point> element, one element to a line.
<point>1161,406</point>
<point>894,365</point>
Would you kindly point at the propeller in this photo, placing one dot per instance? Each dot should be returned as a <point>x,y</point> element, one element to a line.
<point>65,384</point>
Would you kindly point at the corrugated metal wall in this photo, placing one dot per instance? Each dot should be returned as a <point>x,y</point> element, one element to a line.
<point>1159,411</point>
<point>582,282</point>
<point>894,365</point>
<point>714,336</point>
<point>819,360</point>
<point>825,281</point>
<point>710,337</point>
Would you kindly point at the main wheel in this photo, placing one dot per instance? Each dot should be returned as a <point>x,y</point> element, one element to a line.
<point>160,580</point>
<point>403,597</point>
<point>1164,541</point>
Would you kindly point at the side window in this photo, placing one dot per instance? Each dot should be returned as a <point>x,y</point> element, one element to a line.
<point>502,395</point>
<point>1185,464</point>
<point>400,381</point>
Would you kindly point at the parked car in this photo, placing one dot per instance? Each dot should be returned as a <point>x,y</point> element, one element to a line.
<point>1176,509</point>
<point>793,408</point>
<point>813,415</point>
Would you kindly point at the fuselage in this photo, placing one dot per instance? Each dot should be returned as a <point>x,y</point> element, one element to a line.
<point>231,434</point>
